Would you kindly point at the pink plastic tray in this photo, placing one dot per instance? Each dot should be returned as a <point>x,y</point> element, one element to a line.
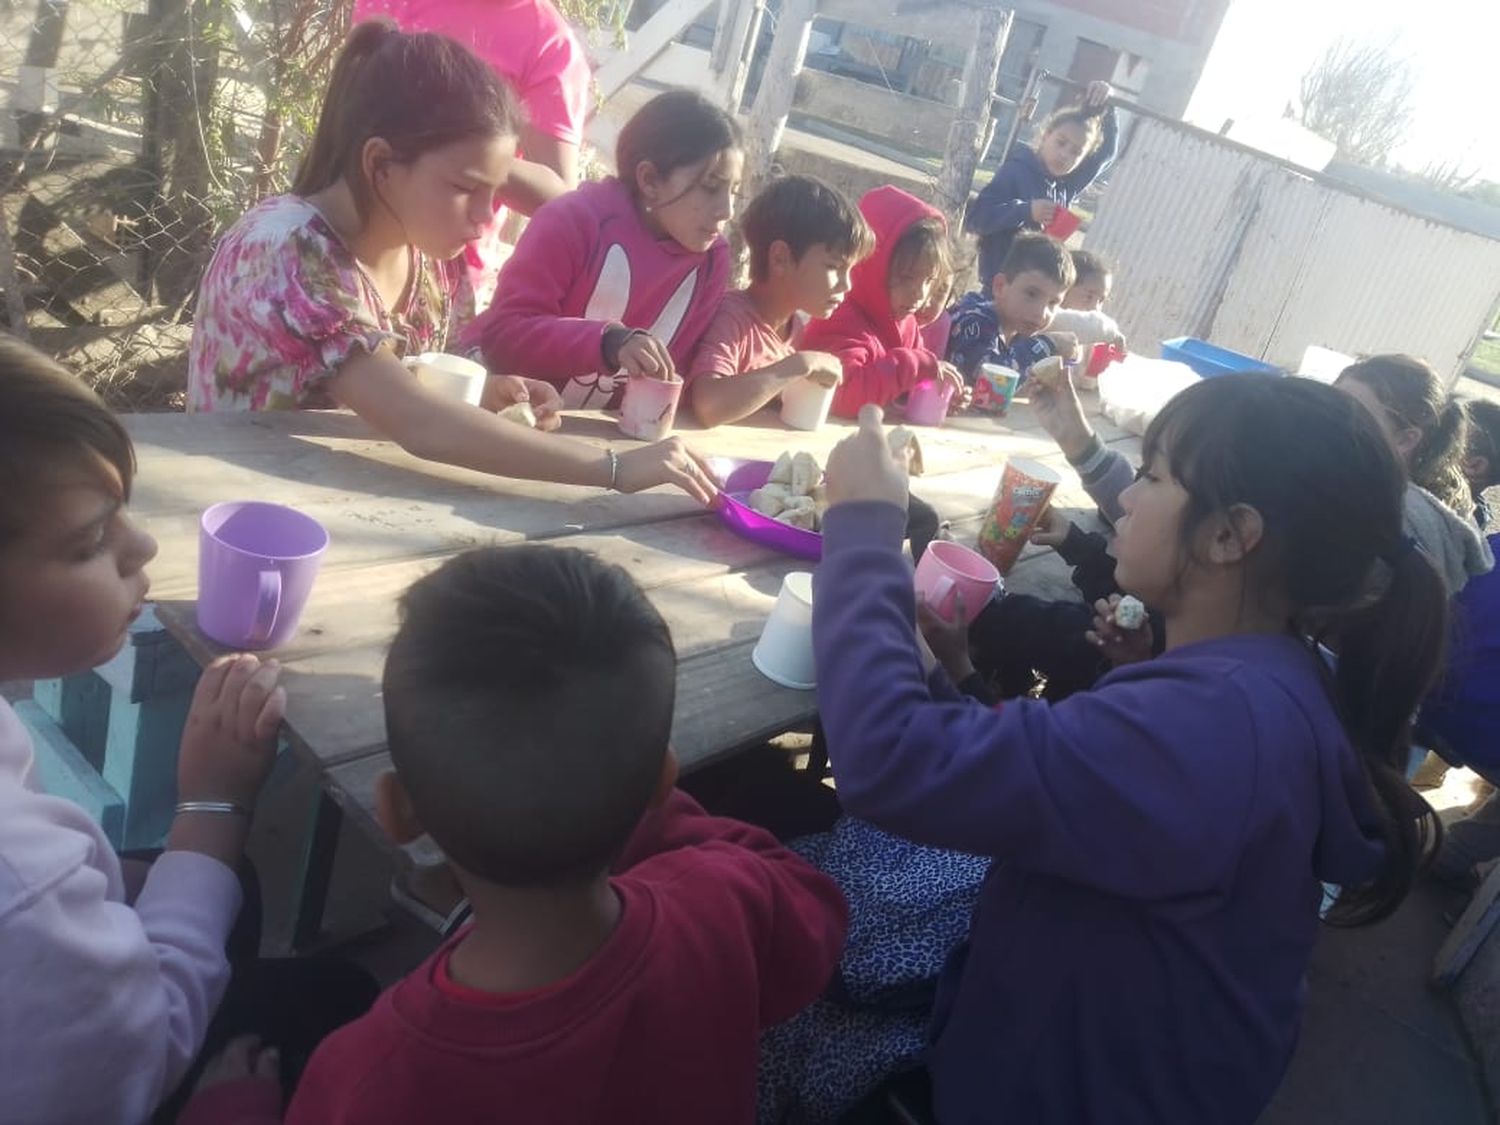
<point>740,479</point>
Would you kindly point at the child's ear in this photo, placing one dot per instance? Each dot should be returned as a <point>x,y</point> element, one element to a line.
<point>648,183</point>
<point>668,779</point>
<point>1407,440</point>
<point>779,257</point>
<point>393,811</point>
<point>1236,533</point>
<point>997,286</point>
<point>375,158</point>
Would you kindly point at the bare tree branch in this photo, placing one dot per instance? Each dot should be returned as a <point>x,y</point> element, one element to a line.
<point>1359,96</point>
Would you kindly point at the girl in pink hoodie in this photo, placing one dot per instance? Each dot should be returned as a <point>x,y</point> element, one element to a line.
<point>622,277</point>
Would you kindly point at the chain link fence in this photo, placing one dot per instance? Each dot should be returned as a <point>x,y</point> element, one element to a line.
<point>131,133</point>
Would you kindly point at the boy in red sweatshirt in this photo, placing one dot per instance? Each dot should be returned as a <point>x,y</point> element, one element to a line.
<point>529,696</point>
<point>875,331</point>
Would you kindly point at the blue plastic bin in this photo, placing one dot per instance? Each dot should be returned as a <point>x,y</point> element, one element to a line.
<point>1210,360</point>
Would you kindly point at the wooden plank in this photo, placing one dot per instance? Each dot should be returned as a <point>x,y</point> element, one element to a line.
<point>665,25</point>
<point>913,123</point>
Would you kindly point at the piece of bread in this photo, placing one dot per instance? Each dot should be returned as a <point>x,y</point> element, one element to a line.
<point>806,473</point>
<point>805,518</point>
<point>905,448</point>
<point>520,413</point>
<point>768,502</point>
<point>1130,613</point>
<point>781,472</point>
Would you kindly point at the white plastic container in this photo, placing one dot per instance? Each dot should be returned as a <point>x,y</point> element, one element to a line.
<point>784,653</point>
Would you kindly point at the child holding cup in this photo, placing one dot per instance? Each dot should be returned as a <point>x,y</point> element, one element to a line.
<point>113,970</point>
<point>803,239</point>
<point>313,297</point>
<point>1190,803</point>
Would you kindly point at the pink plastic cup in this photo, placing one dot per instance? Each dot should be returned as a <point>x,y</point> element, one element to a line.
<point>649,408</point>
<point>1063,224</point>
<point>949,569</point>
<point>927,403</point>
<point>256,567</point>
<point>1101,356</point>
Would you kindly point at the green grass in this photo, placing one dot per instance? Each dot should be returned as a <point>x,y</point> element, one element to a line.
<point>1487,357</point>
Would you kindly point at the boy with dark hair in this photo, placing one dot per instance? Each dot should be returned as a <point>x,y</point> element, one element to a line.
<point>529,696</point>
<point>804,238</point>
<point>875,333</point>
<point>1006,326</point>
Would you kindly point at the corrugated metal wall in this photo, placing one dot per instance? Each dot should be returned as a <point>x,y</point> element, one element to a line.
<point>1213,241</point>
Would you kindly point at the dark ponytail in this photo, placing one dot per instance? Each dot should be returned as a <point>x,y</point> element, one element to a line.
<point>417,92</point>
<point>1416,398</point>
<point>1316,467</point>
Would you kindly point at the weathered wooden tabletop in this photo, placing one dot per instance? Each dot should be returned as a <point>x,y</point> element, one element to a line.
<point>391,518</point>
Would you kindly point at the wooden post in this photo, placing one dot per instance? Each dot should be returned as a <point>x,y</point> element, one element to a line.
<point>778,86</point>
<point>966,137</point>
<point>739,73</point>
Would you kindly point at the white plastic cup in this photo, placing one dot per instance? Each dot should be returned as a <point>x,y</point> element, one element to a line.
<point>451,376</point>
<point>784,653</point>
<point>805,404</point>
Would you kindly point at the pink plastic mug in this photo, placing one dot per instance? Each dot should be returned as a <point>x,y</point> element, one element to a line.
<point>256,566</point>
<point>649,407</point>
<point>1062,225</point>
<point>927,403</point>
<point>949,569</point>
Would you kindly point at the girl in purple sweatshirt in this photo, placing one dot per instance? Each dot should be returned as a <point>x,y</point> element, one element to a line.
<point>1138,950</point>
<point>622,277</point>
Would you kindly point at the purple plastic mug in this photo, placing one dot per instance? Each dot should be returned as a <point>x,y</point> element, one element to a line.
<point>256,566</point>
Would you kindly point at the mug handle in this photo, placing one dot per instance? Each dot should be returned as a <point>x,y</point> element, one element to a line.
<point>267,607</point>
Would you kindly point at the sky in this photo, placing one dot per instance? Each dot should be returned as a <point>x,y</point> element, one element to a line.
<point>1265,47</point>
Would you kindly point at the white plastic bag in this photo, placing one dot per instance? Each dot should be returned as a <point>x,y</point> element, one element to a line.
<point>1133,390</point>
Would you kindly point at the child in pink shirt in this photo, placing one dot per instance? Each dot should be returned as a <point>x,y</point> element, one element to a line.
<point>622,277</point>
<point>530,45</point>
<point>803,237</point>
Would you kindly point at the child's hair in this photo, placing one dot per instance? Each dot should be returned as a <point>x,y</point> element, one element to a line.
<point>416,91</point>
<point>1413,395</point>
<point>47,417</point>
<point>1087,266</point>
<point>1034,252</point>
<point>1082,116</point>
<point>528,704</point>
<point>924,242</point>
<point>1484,436</point>
<point>1329,492</point>
<point>803,212</point>
<point>676,129</point>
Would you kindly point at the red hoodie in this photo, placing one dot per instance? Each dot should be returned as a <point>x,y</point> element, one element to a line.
<point>883,357</point>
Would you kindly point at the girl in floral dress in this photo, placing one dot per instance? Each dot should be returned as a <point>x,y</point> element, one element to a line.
<point>313,298</point>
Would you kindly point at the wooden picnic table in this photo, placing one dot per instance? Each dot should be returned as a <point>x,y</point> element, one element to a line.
<point>392,518</point>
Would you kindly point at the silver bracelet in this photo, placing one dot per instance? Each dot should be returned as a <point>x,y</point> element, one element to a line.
<point>614,469</point>
<point>212,807</point>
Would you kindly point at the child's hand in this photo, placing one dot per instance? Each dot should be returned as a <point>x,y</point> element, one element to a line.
<point>1042,211</point>
<point>822,368</point>
<point>1096,94</point>
<point>952,377</point>
<point>242,1057</point>
<point>948,640</point>
<point>1120,646</point>
<point>229,740</point>
<point>1052,529</point>
<point>861,466</point>
<point>1065,345</point>
<point>644,354</point>
<point>1055,401</point>
<point>501,391</point>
